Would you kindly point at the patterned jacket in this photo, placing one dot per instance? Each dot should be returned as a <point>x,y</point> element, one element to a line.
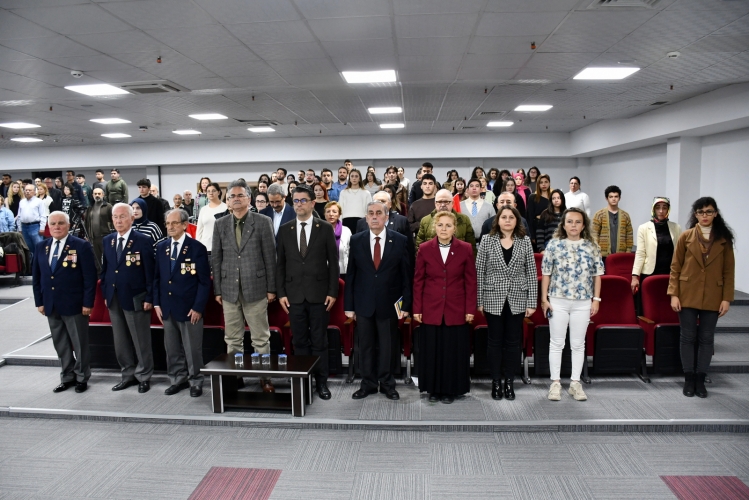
<point>599,229</point>
<point>517,282</point>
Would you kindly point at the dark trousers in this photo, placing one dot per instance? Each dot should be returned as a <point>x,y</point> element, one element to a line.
<point>70,336</point>
<point>183,343</point>
<point>309,334</point>
<point>704,334</point>
<point>504,338</point>
<point>376,331</point>
<point>132,341</point>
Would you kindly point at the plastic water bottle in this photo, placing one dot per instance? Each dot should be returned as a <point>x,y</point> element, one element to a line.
<point>239,360</point>
<point>266,361</point>
<point>255,357</point>
<point>282,361</point>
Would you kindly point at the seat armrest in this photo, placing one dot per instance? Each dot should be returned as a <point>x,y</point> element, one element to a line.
<point>646,320</point>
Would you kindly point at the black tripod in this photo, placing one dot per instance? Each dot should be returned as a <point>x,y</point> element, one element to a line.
<point>77,227</point>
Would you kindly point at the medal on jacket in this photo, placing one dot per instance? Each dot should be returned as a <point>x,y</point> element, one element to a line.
<point>192,268</point>
<point>129,259</point>
<point>136,258</point>
<point>73,258</point>
<point>183,270</point>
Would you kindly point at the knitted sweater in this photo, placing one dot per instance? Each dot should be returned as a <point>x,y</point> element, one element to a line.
<point>599,229</point>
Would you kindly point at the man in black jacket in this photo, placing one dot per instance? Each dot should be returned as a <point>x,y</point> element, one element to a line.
<point>55,194</point>
<point>416,192</point>
<point>155,208</point>
<point>396,222</point>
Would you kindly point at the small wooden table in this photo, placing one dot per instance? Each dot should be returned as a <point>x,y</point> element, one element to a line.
<point>224,384</point>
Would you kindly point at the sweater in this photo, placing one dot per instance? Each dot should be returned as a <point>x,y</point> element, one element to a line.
<point>600,231</point>
<point>545,231</point>
<point>354,202</point>
<point>485,212</point>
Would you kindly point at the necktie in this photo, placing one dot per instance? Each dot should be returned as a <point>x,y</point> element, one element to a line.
<point>238,233</point>
<point>120,246</point>
<point>174,256</point>
<point>55,255</point>
<point>303,241</point>
<point>377,252</point>
<point>474,210</point>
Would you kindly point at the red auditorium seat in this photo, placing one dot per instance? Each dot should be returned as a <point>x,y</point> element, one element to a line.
<point>537,319</point>
<point>661,325</point>
<point>340,334</point>
<point>12,266</point>
<point>620,264</point>
<point>538,257</point>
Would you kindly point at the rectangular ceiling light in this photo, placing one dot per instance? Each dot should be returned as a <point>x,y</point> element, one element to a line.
<point>261,129</point>
<point>209,116</point>
<point>97,90</point>
<point>385,111</point>
<point>186,132</point>
<point>19,125</point>
<point>109,121</point>
<point>26,139</point>
<point>534,107</point>
<point>392,125</point>
<point>115,136</point>
<point>605,73</point>
<point>500,124</point>
<point>384,76</point>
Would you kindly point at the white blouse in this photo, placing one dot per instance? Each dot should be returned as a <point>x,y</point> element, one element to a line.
<point>206,221</point>
<point>354,202</point>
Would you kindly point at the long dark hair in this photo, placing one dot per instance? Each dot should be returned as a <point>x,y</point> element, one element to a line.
<point>537,196</point>
<point>720,228</point>
<point>518,232</point>
<point>528,179</point>
<point>547,216</point>
<point>476,169</point>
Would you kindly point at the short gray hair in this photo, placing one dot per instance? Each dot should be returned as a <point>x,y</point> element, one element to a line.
<point>384,193</point>
<point>239,183</point>
<point>275,189</point>
<point>183,216</point>
<point>59,212</point>
<point>387,209</point>
<point>129,208</point>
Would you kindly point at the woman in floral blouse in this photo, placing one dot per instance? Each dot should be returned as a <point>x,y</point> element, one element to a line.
<point>570,295</point>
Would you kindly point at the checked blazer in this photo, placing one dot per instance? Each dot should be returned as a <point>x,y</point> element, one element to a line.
<point>517,282</point>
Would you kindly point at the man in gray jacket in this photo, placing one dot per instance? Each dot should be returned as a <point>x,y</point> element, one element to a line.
<point>243,257</point>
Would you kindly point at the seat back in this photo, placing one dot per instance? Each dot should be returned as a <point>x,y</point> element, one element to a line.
<point>213,316</point>
<point>100,313</point>
<point>620,264</point>
<point>538,257</point>
<point>656,303</point>
<point>617,304</point>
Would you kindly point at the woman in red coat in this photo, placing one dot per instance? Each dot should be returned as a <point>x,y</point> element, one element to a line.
<point>444,302</point>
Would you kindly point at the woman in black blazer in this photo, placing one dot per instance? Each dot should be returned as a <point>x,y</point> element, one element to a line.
<point>507,293</point>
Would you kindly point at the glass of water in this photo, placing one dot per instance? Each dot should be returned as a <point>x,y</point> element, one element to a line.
<point>239,360</point>
<point>266,360</point>
<point>255,357</point>
<point>282,361</point>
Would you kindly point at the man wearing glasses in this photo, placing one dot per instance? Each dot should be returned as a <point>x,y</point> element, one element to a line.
<point>278,211</point>
<point>443,202</point>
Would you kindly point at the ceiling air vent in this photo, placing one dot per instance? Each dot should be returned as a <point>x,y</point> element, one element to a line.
<point>642,4</point>
<point>467,128</point>
<point>659,103</point>
<point>153,87</point>
<point>260,123</point>
<point>492,113</point>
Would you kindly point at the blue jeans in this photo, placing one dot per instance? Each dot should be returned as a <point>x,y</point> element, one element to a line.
<point>31,235</point>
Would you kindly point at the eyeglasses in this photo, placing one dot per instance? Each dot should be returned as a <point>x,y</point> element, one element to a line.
<point>709,213</point>
<point>237,196</point>
<point>443,202</point>
<point>302,201</point>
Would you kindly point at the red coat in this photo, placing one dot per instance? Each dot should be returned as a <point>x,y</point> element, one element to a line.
<point>445,290</point>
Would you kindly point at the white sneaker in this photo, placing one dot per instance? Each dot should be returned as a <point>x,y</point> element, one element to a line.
<point>576,391</point>
<point>555,392</point>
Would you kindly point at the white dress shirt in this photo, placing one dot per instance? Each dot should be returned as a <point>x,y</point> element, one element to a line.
<point>179,242</point>
<point>470,201</point>
<point>383,237</point>
<point>307,230</point>
<point>578,199</point>
<point>59,252</point>
<point>32,211</point>
<point>126,236</point>
<point>277,216</point>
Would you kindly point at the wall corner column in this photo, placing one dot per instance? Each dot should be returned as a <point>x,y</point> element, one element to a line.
<point>683,175</point>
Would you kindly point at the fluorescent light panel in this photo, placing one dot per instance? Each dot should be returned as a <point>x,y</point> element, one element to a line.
<point>186,132</point>
<point>97,90</point>
<point>605,73</point>
<point>383,76</point>
<point>500,124</point>
<point>534,107</point>
<point>209,116</point>
<point>385,111</point>
<point>392,125</point>
<point>116,136</point>
<point>109,121</point>
<point>26,139</point>
<point>19,125</point>
<point>260,130</point>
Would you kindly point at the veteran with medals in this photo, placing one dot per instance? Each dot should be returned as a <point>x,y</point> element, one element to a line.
<point>182,283</point>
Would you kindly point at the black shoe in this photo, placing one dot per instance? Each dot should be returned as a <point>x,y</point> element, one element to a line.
<point>447,399</point>
<point>240,383</point>
<point>124,385</point>
<point>699,385</point>
<point>144,387</point>
<point>363,393</point>
<point>688,384</point>
<point>323,391</point>
<point>433,398</point>
<point>196,391</point>
<point>81,387</point>
<point>63,386</point>
<point>496,389</point>
<point>174,389</point>
<point>390,393</point>
<point>509,389</point>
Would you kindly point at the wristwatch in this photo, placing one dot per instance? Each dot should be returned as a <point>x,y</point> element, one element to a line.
<point>597,299</point>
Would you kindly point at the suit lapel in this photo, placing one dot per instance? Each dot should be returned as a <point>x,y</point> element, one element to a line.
<point>249,228</point>
<point>694,247</point>
<point>716,250</point>
<point>61,258</point>
<point>388,247</point>
<point>181,255</point>
<point>128,244</point>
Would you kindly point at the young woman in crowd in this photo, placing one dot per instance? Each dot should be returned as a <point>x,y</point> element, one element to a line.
<point>342,234</point>
<point>395,203</point>
<point>547,223</point>
<point>532,179</point>
<point>459,188</point>
<point>570,295</point>
<point>69,204</point>
<point>14,198</point>
<point>202,196</point>
<point>537,203</point>
<point>43,194</point>
<point>7,221</point>
<point>520,187</point>
<point>321,200</point>
<point>58,183</point>
<point>142,224</point>
<point>486,194</point>
<point>261,201</point>
<point>493,177</point>
<point>290,197</point>
<point>477,173</point>
<point>353,200</point>
<point>511,187</point>
<point>701,287</point>
<point>403,180</point>
<point>656,240</point>
<point>373,183</point>
<point>444,299</point>
<point>507,293</point>
<point>207,218</point>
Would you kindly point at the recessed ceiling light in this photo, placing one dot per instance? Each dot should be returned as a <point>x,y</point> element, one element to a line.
<point>26,139</point>
<point>384,76</point>
<point>19,125</point>
<point>109,121</point>
<point>605,73</point>
<point>209,116</point>
<point>392,125</point>
<point>534,107</point>
<point>186,132</point>
<point>97,90</point>
<point>500,124</point>
<point>384,111</point>
<point>261,129</point>
<point>115,136</point>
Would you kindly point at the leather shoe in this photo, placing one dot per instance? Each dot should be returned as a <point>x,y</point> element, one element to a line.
<point>323,391</point>
<point>448,399</point>
<point>433,398</point>
<point>363,393</point>
<point>81,387</point>
<point>267,386</point>
<point>496,389</point>
<point>124,385</point>
<point>196,391</point>
<point>174,389</point>
<point>509,389</point>
<point>390,393</point>
<point>63,386</point>
<point>144,387</point>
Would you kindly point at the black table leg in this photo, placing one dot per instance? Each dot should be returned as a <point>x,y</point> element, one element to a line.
<point>307,390</point>
<point>297,396</point>
<point>217,394</point>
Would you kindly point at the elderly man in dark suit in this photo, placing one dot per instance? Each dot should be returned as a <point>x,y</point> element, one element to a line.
<point>395,222</point>
<point>127,285</point>
<point>243,258</point>
<point>182,284</point>
<point>307,278</point>
<point>378,276</point>
<point>279,212</point>
<point>64,286</point>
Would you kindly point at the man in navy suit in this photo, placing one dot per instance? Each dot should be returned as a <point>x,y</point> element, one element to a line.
<point>182,283</point>
<point>395,222</point>
<point>127,285</point>
<point>64,273</point>
<point>378,275</point>
<point>279,212</point>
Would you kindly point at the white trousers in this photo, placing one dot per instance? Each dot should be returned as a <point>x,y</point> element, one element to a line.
<point>576,315</point>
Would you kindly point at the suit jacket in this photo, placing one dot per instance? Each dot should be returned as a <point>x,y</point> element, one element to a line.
<point>56,196</point>
<point>515,282</point>
<point>133,282</point>
<point>647,246</point>
<point>188,285</point>
<point>69,287</point>
<point>253,261</point>
<point>287,216</point>
<point>372,292</point>
<point>314,276</point>
<point>445,289</point>
<point>399,224</point>
<point>699,284</point>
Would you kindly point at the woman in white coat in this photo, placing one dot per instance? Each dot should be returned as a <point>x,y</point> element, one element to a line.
<point>656,240</point>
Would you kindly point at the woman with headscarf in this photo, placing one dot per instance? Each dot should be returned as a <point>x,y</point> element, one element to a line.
<point>656,240</point>
<point>141,222</point>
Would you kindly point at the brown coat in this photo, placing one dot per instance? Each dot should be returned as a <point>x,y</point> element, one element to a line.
<point>698,285</point>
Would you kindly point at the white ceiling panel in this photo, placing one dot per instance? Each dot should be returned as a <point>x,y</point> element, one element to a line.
<point>739,27</point>
<point>434,74</point>
<point>55,46</point>
<point>74,19</point>
<point>353,28</point>
<point>481,61</point>
<point>505,44</point>
<point>519,24</point>
<point>242,11</point>
<point>605,23</point>
<point>148,60</point>
<point>434,25</point>
<point>89,63</point>
<point>13,26</point>
<point>351,49</point>
<point>272,32</point>
<point>303,66</point>
<point>403,7</point>
<point>433,46</point>
<point>120,42</point>
<point>122,76</point>
<point>288,51</point>
<point>255,81</point>
<point>686,22</point>
<point>731,43</point>
<point>321,9</point>
<point>530,5</point>
<point>487,74</point>
<point>417,63</point>
<point>158,14</point>
<point>197,37</point>
<point>216,58</point>
<point>315,80</point>
<point>736,7</point>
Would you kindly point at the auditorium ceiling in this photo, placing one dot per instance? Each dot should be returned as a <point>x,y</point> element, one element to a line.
<point>459,64</point>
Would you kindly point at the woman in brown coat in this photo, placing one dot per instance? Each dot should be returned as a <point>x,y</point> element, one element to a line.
<point>701,288</point>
